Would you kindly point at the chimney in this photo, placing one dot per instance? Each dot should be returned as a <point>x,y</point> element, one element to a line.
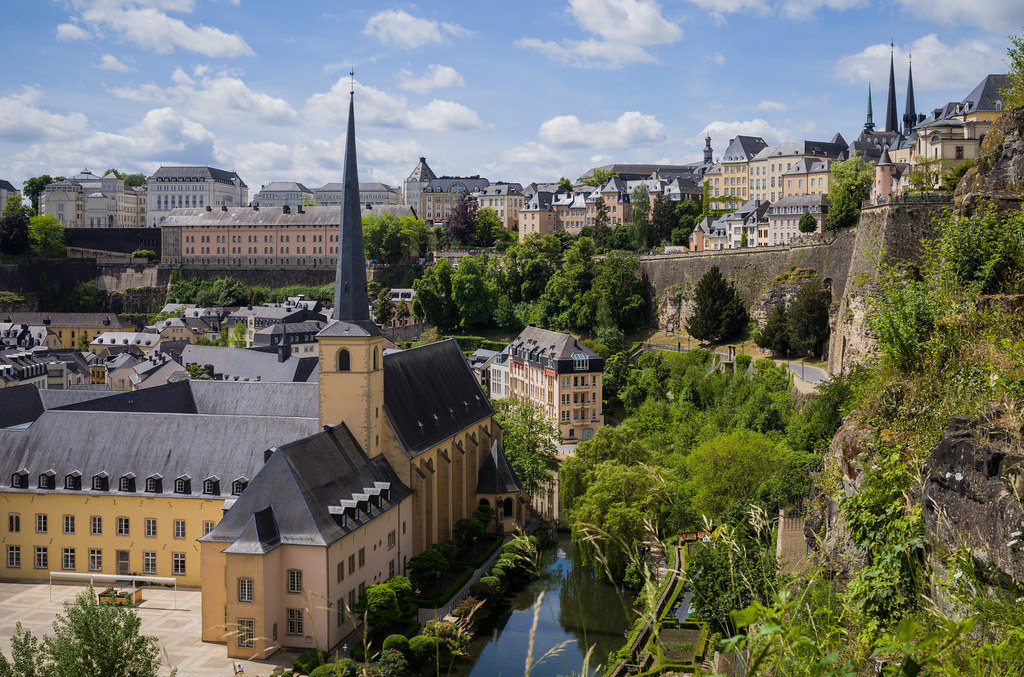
<point>284,351</point>
<point>209,208</point>
<point>285,209</point>
<point>223,208</point>
<point>300,210</point>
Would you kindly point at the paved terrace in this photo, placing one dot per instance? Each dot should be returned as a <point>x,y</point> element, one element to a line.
<point>174,622</point>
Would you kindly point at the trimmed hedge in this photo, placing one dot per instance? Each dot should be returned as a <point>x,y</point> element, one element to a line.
<point>488,551</point>
<point>309,660</point>
<point>399,643</point>
<point>449,592</point>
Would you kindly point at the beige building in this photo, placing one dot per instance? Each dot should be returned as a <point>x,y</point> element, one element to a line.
<point>561,376</point>
<point>784,217</point>
<point>504,198</point>
<point>807,177</point>
<point>281,193</point>
<point>768,170</point>
<point>70,328</point>
<point>735,174</point>
<point>433,197</point>
<point>192,187</point>
<point>89,201</point>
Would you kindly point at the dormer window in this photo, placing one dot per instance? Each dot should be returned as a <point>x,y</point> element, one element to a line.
<point>154,484</point>
<point>580,362</point>
<point>127,483</point>
<point>99,482</point>
<point>73,481</point>
<point>238,486</point>
<point>183,485</point>
<point>46,480</point>
<point>19,480</point>
<point>211,486</point>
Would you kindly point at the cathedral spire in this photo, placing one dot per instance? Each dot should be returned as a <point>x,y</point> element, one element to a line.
<point>351,304</point>
<point>892,123</point>
<point>869,123</point>
<point>910,112</point>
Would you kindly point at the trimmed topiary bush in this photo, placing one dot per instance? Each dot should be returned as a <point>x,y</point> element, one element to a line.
<point>309,660</point>
<point>486,587</point>
<point>391,663</point>
<point>421,650</point>
<point>399,643</point>
<point>346,667</point>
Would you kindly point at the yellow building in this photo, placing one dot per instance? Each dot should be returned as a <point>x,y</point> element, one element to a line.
<point>71,327</point>
<point>504,198</point>
<point>734,172</point>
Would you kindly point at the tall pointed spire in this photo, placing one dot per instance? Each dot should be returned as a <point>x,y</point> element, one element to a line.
<point>351,304</point>
<point>869,123</point>
<point>892,123</point>
<point>910,112</point>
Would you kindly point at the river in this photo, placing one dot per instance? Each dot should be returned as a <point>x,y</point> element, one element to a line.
<point>578,608</point>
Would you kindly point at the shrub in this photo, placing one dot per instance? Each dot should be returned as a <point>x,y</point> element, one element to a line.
<point>484,514</point>
<point>399,643</point>
<point>346,667</point>
<point>486,587</point>
<point>467,530</point>
<point>391,663</point>
<point>463,608</point>
<point>742,363</point>
<point>309,660</point>
<point>144,254</point>
<point>421,650</point>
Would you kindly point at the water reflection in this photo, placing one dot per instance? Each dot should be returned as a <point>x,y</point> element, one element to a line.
<point>578,607</point>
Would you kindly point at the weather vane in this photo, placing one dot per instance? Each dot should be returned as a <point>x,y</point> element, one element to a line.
<point>352,77</point>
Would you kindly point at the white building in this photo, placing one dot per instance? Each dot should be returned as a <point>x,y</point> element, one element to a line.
<point>370,194</point>
<point>174,187</point>
<point>7,189</point>
<point>281,193</point>
<point>89,201</point>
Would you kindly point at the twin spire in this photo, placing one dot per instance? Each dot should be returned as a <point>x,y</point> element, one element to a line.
<point>892,123</point>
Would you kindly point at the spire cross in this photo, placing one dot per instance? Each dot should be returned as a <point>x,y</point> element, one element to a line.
<point>352,80</point>
<point>892,46</point>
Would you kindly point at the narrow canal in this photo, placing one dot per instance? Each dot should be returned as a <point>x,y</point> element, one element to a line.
<point>578,608</point>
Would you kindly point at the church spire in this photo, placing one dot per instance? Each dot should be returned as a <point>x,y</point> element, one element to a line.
<point>351,304</point>
<point>892,123</point>
<point>910,112</point>
<point>869,123</point>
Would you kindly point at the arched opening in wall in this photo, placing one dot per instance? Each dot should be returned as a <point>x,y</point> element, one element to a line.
<point>344,360</point>
<point>376,359</point>
<point>506,508</point>
<point>484,501</point>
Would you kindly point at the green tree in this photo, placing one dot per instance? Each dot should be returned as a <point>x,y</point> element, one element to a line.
<point>617,279</point>
<point>925,172</point>
<point>567,302</point>
<point>34,187</point>
<point>402,312</point>
<point>850,185</point>
<point>729,470</point>
<point>433,301</point>
<point>46,236</point>
<point>566,184</point>
<point>84,298</point>
<point>82,344</point>
<point>89,640</point>
<point>718,312</point>
<point>530,441</point>
<point>774,336</point>
<point>466,530</point>
<point>384,308</point>
<point>952,179</point>
<point>808,319</point>
<point>488,226</point>
<point>383,238</point>
<point>807,223</point>
<point>472,293</point>
<point>1014,94</point>
<point>598,177</point>
<point>13,228</point>
<point>130,180</point>
<point>238,334</point>
<point>641,230</point>
<point>378,604</point>
<point>461,224</point>
<point>688,213</point>
<point>391,663</point>
<point>663,219</point>
<point>601,220</point>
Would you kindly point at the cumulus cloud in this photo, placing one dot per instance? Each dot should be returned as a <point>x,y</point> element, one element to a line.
<point>631,129</point>
<point>381,109</point>
<point>805,9</point>
<point>209,96</point>
<point>109,62</point>
<point>997,16</point>
<point>771,105</point>
<point>621,27</point>
<point>22,119</point>
<point>67,32</point>
<point>721,131</point>
<point>716,58</point>
<point>147,24</point>
<point>937,66</point>
<point>436,77</point>
<point>400,29</point>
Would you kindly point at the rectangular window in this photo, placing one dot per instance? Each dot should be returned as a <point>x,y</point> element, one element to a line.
<point>14,556</point>
<point>351,599</point>
<point>123,526</point>
<point>69,524</point>
<point>341,610</point>
<point>295,622</point>
<point>68,560</point>
<point>42,557</point>
<point>40,524</point>
<point>179,528</point>
<point>178,564</point>
<point>351,564</point>
<point>96,525</point>
<point>246,632</point>
<point>341,571</point>
<point>392,538</point>
<point>13,522</point>
<point>294,581</point>
<point>245,590</point>
<point>362,557</point>
<point>149,562</point>
<point>207,527</point>
<point>95,560</point>
<point>391,569</point>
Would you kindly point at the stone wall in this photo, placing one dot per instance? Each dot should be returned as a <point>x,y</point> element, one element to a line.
<point>276,277</point>
<point>120,277</point>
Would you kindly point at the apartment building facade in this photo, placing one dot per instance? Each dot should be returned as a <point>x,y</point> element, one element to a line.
<point>89,201</point>
<point>192,187</point>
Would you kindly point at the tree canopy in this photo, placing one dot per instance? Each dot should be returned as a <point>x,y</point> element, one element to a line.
<point>850,185</point>
<point>46,235</point>
<point>718,311</point>
<point>530,441</point>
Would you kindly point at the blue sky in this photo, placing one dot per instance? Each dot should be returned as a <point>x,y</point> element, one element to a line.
<point>517,91</point>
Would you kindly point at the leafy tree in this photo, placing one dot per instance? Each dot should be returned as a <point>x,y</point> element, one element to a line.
<point>84,298</point>
<point>808,319</point>
<point>730,469</point>
<point>718,312</point>
<point>663,219</point>
<point>488,226</point>
<point>34,187</point>
<point>391,663</point>
<point>567,302</point>
<point>82,343</point>
<point>774,336</point>
<point>433,301</point>
<point>461,224</point>
<point>729,573</point>
<point>952,179</point>
<point>1014,94</point>
<point>89,640</point>
<point>850,186</point>
<point>641,231</point>
<point>813,427</point>
<point>530,441</point>
<point>466,530</point>
<point>807,223</point>
<point>617,280</point>
<point>144,254</point>
<point>607,332</point>
<point>484,514</point>
<point>384,308</point>
<point>383,238</point>
<point>238,335</point>
<point>601,221</point>
<point>925,172</point>
<point>427,566</point>
<point>471,293</point>
<point>379,605</point>
<point>402,312</point>
<point>566,184</point>
<point>598,177</point>
<point>46,235</point>
<point>130,180</point>
<point>13,228</point>
<point>688,213</point>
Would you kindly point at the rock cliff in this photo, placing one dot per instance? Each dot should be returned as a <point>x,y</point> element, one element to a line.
<point>998,175</point>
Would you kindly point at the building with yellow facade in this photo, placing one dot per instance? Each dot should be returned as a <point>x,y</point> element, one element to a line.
<point>735,175</point>
<point>70,327</point>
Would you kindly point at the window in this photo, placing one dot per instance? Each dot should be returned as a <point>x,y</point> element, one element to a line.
<point>362,557</point>
<point>149,562</point>
<point>211,487</point>
<point>99,483</point>
<point>96,525</point>
<point>391,539</point>
<point>68,559</point>
<point>178,564</point>
<point>95,560</point>
<point>344,360</point>
<point>46,481</point>
<point>351,599</point>
<point>341,571</point>
<point>959,152</point>
<point>245,590</point>
<point>341,610</point>
<point>237,487</point>
<point>13,522</point>
<point>351,564</point>
<point>295,622</point>
<point>179,528</point>
<point>294,581</point>
<point>14,556</point>
<point>73,482</point>
<point>69,524</point>
<point>40,524</point>
<point>391,569</point>
<point>207,527</point>
<point>246,632</point>
<point>153,485</point>
<point>123,526</point>
<point>42,557</point>
<point>126,483</point>
<point>19,481</point>
<point>182,486</point>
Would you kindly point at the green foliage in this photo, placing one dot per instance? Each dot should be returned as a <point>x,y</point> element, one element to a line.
<point>598,177</point>
<point>983,253</point>
<point>531,440</point>
<point>807,223</point>
<point>387,238</point>
<point>471,293</point>
<point>466,531</point>
<point>485,588</point>
<point>903,320</point>
<point>34,187</point>
<point>309,660</point>
<point>427,566</point>
<point>1014,94</point>
<point>602,228</point>
<point>488,227</point>
<point>391,663</point>
<point>850,185</point>
<point>378,604</point>
<point>346,667</point>
<point>433,300</point>
<point>461,224</point>
<point>952,179</point>
<point>144,254</point>
<point>565,184</point>
<point>13,228</point>
<point>399,643</point>
<point>814,425</point>
<point>484,514</point>
<point>718,311</point>
<point>807,319</point>
<point>774,336</point>
<point>641,217</point>
<point>84,298</point>
<point>384,308</point>
<point>431,651</point>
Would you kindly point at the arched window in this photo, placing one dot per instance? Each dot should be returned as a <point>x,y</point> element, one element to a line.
<point>376,359</point>
<point>506,508</point>
<point>344,360</point>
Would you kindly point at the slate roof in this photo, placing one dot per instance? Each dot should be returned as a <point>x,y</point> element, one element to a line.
<point>209,173</point>
<point>304,484</point>
<point>987,96</point>
<point>276,186</point>
<point>496,475</point>
<point>173,398</point>
<point>54,399</point>
<point>422,172</point>
<point>239,364</point>
<point>743,148</point>
<point>118,443</point>
<point>67,319</point>
<point>19,405</point>
<point>430,394</point>
<point>250,216</point>
<point>256,398</point>
<point>547,343</point>
<point>6,185</point>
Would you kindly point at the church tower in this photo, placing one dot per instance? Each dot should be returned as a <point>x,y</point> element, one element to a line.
<point>910,112</point>
<point>351,346</point>
<point>869,123</point>
<point>892,122</point>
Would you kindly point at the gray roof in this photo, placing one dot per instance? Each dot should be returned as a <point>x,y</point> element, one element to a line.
<point>549,344</point>
<point>299,495</point>
<point>107,320</point>
<point>430,394</point>
<point>240,364</point>
<point>276,186</point>
<point>987,96</point>
<point>256,398</point>
<point>496,475</point>
<point>19,405</point>
<point>803,147</point>
<point>6,185</point>
<point>800,201</point>
<point>204,172</point>
<point>422,172</point>
<point>250,216</point>
<point>743,148</point>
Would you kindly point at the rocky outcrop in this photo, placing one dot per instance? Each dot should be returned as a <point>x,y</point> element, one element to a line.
<point>973,491</point>
<point>778,294</point>
<point>998,176</point>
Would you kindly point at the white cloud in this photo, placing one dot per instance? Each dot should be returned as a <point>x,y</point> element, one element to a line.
<point>145,23</point>
<point>937,66</point>
<point>631,129</point>
<point>805,9</point>
<point>67,32</point>
<point>771,105</point>
<point>621,27</point>
<point>721,131</point>
<point>716,58</point>
<point>436,77</point>
<point>719,7</point>
<point>401,29</point>
<point>22,119</point>
<point>209,97</point>
<point>376,108</point>
<point>998,16</point>
<point>110,63</point>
